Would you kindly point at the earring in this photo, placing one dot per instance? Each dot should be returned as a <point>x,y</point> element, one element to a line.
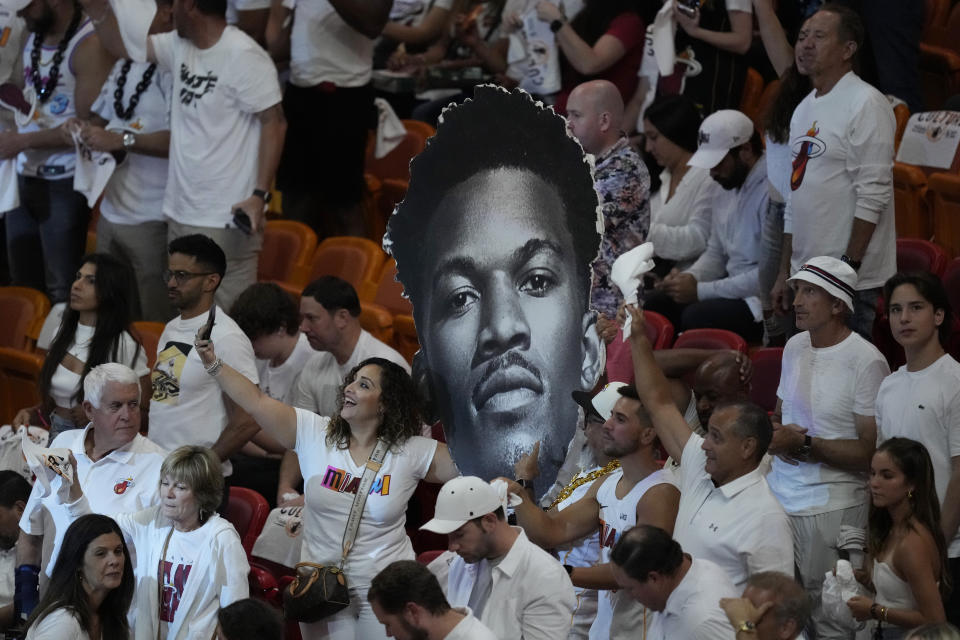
<point>910,494</point>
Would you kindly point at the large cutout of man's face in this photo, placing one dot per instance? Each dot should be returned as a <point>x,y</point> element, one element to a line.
<point>497,279</point>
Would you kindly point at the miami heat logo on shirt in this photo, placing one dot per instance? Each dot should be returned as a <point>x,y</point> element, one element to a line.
<point>804,148</point>
<point>122,485</point>
<point>344,482</point>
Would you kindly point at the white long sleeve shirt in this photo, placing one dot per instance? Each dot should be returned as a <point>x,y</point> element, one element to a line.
<point>680,226</point>
<point>729,267</point>
<point>842,146</point>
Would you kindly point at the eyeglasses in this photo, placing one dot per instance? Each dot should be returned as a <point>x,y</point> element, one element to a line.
<point>180,276</point>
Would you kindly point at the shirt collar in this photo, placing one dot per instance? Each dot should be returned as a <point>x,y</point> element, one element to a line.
<point>511,561</point>
<point>735,486</point>
<point>615,149</point>
<point>122,454</point>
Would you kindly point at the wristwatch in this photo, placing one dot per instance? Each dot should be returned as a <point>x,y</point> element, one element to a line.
<point>129,140</point>
<point>556,25</point>
<point>747,626</point>
<point>263,195</point>
<point>855,264</point>
<point>804,451</point>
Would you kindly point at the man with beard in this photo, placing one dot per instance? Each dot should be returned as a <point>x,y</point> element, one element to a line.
<point>14,493</point>
<point>513,586</point>
<point>65,66</point>
<point>408,601</point>
<point>187,406</point>
<point>721,288</point>
<point>638,492</point>
<point>494,242</point>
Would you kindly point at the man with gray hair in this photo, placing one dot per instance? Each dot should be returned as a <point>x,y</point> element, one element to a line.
<point>118,469</point>
<point>773,607</point>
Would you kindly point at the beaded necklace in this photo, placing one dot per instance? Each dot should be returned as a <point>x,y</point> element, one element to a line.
<point>126,114</point>
<point>44,91</point>
<point>580,480</point>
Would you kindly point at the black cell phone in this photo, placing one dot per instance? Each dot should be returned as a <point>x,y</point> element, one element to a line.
<point>242,221</point>
<point>208,327</point>
<point>688,8</point>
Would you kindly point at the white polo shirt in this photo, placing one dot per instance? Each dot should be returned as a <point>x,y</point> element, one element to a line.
<point>469,628</point>
<point>693,609</point>
<point>124,481</point>
<point>531,597</point>
<point>740,525</point>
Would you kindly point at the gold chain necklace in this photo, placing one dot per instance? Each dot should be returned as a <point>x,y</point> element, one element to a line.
<point>579,480</point>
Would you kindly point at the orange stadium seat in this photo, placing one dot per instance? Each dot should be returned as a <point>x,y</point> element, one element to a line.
<point>287,246</point>
<point>356,260</point>
<point>939,74</point>
<point>148,335</point>
<point>766,99</point>
<point>389,292</point>
<point>902,113</point>
<point>752,92</point>
<point>910,204</point>
<point>396,164</point>
<point>19,381</point>
<point>377,321</point>
<point>944,194</point>
<point>22,312</point>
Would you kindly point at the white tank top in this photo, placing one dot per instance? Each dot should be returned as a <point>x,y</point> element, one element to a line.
<point>618,615</point>
<point>52,164</point>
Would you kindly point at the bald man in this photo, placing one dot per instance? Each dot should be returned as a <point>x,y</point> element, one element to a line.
<point>718,381</point>
<point>594,117</point>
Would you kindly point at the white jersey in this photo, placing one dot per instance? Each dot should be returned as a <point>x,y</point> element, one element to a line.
<point>619,615</point>
<point>53,163</point>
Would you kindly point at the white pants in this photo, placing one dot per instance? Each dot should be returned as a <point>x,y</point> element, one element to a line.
<point>815,553</point>
<point>356,622</point>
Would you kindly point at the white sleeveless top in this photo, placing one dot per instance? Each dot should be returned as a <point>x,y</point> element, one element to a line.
<point>53,164</point>
<point>893,593</point>
<point>618,615</point>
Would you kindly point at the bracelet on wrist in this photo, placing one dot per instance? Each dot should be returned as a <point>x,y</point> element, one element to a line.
<point>214,368</point>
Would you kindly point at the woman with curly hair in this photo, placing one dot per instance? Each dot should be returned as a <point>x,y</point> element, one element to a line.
<point>904,542</point>
<point>378,401</point>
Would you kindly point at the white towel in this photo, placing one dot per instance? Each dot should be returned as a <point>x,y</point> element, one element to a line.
<point>11,448</point>
<point>664,26</point>
<point>93,171</point>
<point>507,501</point>
<point>390,129</point>
<point>52,468</point>
<point>627,273</point>
<point>134,18</point>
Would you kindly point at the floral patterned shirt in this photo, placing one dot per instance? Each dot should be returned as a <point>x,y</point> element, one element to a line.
<point>623,183</point>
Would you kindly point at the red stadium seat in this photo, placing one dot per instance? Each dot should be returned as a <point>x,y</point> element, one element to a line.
<point>619,361</point>
<point>429,556</point>
<point>247,511</point>
<point>263,585</point>
<point>710,339</point>
<point>914,254</point>
<point>766,376</point>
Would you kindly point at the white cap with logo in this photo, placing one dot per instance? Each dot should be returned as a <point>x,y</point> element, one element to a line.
<point>720,132</point>
<point>460,501</point>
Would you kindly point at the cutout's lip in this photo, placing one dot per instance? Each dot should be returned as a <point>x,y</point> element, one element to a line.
<point>507,380</point>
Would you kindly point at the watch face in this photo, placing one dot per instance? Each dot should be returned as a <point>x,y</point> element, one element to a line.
<point>128,140</point>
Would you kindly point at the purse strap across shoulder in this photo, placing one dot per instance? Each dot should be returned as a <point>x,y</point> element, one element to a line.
<point>359,500</point>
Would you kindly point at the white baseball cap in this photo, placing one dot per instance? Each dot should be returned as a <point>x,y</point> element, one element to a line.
<point>835,276</point>
<point>720,132</point>
<point>601,403</point>
<point>460,501</point>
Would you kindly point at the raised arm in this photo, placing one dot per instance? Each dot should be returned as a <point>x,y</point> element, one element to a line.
<point>424,33</point>
<point>555,528</point>
<point>654,390</point>
<point>586,59</point>
<point>277,32</point>
<point>442,467</point>
<point>773,36</point>
<point>737,40</point>
<point>276,418</point>
<point>108,29</point>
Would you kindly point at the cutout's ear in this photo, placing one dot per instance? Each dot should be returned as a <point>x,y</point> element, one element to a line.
<point>594,354</point>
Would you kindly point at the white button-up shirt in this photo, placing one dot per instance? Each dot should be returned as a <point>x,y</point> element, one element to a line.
<point>740,525</point>
<point>531,597</point>
<point>693,609</point>
<point>124,481</point>
<point>469,628</point>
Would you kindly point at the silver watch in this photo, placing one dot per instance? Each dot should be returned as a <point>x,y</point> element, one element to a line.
<point>128,140</point>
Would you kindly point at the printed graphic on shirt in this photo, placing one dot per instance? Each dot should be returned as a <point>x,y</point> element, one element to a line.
<point>344,482</point>
<point>195,85</point>
<point>608,534</point>
<point>805,148</point>
<point>174,582</point>
<point>122,485</point>
<point>165,377</point>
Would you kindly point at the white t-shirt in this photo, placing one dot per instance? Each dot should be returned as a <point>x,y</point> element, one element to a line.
<point>680,227</point>
<point>64,383</point>
<point>233,6</point>
<point>127,479</point>
<point>469,628</point>
<point>188,406</point>
<point>412,12</point>
<point>135,191</point>
<point>693,608</point>
<point>821,390</point>
<point>331,478</point>
<point>277,382</point>
<point>842,146</point>
<point>214,128</point>
<point>925,406</point>
<point>315,389</point>
<point>740,526</point>
<point>324,48</point>
<point>182,552</point>
<point>53,163</point>
<point>8,564</point>
<point>60,624</point>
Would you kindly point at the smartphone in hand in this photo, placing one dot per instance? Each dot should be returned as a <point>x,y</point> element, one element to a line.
<point>242,221</point>
<point>207,328</point>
